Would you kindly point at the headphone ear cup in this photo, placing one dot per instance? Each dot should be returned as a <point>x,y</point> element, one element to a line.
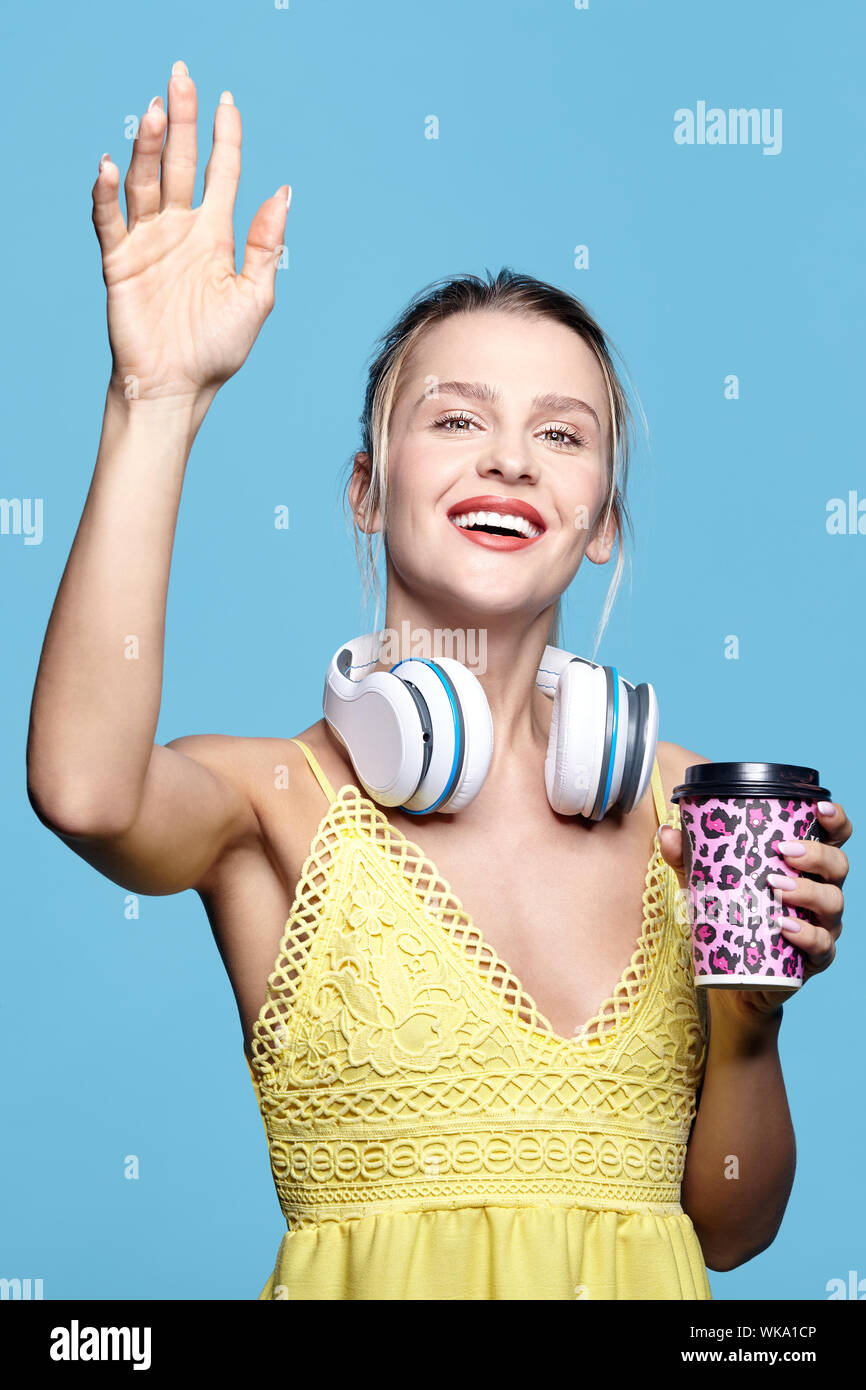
<point>381,729</point>
<point>576,741</point>
<point>478,734</point>
<point>642,753</point>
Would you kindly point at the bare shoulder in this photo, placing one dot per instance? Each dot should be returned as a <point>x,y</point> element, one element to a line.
<point>328,752</point>
<point>227,755</point>
<point>209,800</point>
<point>276,796</point>
<point>673,760</point>
<point>260,766</point>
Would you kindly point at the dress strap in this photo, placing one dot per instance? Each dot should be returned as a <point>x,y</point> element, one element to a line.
<point>316,769</point>
<point>658,793</point>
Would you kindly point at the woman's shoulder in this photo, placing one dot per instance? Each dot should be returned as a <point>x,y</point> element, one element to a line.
<point>334,762</point>
<point>673,759</point>
<point>261,759</point>
<point>271,771</point>
<point>327,751</point>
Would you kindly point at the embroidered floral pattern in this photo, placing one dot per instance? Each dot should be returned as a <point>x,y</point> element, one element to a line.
<point>389,1018</point>
<point>392,1003</point>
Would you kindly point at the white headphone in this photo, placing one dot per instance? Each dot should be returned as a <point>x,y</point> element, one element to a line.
<point>420,736</point>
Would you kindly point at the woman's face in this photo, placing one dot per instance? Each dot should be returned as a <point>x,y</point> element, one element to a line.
<point>499,414</point>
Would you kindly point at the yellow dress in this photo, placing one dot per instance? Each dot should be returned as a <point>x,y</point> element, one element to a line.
<point>430,1136</point>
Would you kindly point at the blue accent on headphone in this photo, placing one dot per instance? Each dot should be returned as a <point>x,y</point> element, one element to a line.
<point>449,786</point>
<point>612,758</point>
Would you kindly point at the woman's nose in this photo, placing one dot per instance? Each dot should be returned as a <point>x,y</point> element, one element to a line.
<point>511,466</point>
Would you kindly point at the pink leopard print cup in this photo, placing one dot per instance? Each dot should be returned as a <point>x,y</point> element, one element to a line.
<point>733,816</point>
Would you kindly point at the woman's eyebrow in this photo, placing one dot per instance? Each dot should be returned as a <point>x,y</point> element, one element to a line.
<point>480,391</point>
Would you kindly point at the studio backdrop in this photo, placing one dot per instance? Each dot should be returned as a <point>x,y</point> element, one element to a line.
<point>694,175</point>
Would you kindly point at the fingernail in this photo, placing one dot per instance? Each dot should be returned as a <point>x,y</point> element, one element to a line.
<point>153,102</point>
<point>826,808</point>
<point>781,880</point>
<point>790,924</point>
<point>103,159</point>
<point>226,99</point>
<point>791,847</point>
<point>289,196</point>
<point>179,69</point>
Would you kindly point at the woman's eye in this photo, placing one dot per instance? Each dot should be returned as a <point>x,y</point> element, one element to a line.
<point>455,420</point>
<point>566,438</point>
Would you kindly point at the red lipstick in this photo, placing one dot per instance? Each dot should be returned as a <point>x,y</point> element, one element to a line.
<point>498,506</point>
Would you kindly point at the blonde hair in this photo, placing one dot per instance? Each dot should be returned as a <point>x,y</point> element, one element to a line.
<point>438,300</point>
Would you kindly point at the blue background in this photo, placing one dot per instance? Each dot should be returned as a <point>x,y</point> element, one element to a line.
<point>556,129</point>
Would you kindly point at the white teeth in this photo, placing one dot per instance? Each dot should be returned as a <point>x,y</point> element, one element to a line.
<point>509,522</point>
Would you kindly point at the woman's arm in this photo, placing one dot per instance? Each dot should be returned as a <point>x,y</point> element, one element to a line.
<point>148,816</point>
<point>742,1152</point>
<point>180,323</point>
<point>742,1155</point>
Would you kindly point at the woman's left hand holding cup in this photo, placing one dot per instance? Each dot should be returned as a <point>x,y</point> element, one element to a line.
<point>825,900</point>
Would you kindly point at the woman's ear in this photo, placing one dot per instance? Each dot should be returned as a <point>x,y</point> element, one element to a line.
<point>599,548</point>
<point>359,487</point>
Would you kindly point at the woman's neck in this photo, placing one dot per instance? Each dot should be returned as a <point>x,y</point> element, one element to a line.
<point>504,655</point>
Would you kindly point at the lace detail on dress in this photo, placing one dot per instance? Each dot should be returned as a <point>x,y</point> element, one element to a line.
<point>352,810</point>
<point>318,878</point>
<point>399,1064</point>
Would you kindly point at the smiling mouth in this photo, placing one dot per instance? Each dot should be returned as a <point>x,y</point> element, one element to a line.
<point>493,524</point>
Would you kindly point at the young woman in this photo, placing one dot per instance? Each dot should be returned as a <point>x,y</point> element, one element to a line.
<point>517,1098</point>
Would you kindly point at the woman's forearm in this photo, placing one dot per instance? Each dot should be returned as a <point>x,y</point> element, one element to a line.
<point>742,1150</point>
<point>98,685</point>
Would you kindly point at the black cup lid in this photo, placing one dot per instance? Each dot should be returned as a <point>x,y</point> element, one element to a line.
<point>751,779</point>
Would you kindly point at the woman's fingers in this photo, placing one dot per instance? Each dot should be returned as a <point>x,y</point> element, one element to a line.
<point>671,841</point>
<point>107,217</point>
<point>180,151</point>
<point>826,900</point>
<point>224,166</point>
<point>837,826</point>
<point>817,943</point>
<point>264,244</point>
<point>142,177</point>
<point>815,857</point>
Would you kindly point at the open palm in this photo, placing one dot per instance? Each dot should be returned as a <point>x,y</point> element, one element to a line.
<point>180,320</point>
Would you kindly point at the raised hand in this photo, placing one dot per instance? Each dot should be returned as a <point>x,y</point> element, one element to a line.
<point>180,320</point>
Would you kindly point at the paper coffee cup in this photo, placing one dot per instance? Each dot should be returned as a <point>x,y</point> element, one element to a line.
<point>733,816</point>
